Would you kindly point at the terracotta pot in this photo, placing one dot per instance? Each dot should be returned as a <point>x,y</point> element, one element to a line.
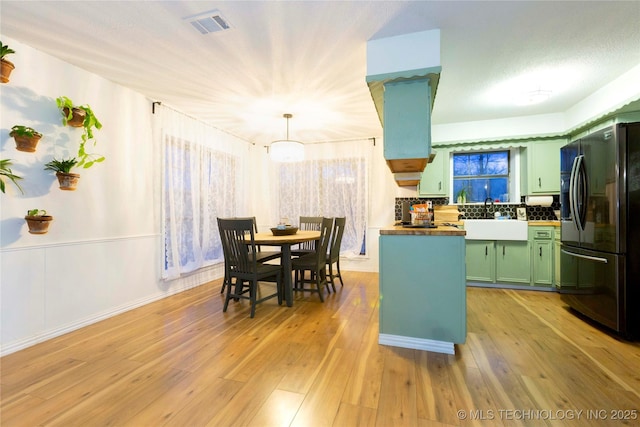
<point>38,224</point>
<point>26,143</point>
<point>6,69</point>
<point>77,120</point>
<point>68,181</point>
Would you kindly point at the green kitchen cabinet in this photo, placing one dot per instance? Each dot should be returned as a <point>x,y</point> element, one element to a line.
<point>542,263</point>
<point>435,178</point>
<point>500,261</point>
<point>407,124</point>
<point>557,242</point>
<point>480,260</point>
<point>513,261</point>
<point>541,167</point>
<point>542,255</point>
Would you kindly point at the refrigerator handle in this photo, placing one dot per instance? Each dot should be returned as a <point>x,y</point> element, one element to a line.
<point>591,258</point>
<point>581,191</point>
<point>572,193</point>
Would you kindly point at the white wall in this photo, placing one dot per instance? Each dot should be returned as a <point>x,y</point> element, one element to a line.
<point>102,253</point>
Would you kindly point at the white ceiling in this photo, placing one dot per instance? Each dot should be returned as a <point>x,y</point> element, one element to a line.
<point>308,58</point>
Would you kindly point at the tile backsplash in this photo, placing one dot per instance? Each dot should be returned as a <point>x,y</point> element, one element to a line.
<point>476,210</point>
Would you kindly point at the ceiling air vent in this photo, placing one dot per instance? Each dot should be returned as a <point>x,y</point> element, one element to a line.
<point>209,22</point>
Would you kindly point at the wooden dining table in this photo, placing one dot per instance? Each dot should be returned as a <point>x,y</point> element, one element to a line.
<point>285,242</point>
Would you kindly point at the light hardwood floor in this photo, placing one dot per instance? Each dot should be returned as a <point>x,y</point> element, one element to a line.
<point>182,362</point>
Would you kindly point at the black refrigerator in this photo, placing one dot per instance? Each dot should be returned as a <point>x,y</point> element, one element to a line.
<point>600,220</point>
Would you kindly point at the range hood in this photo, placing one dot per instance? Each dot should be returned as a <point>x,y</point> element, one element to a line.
<point>403,74</point>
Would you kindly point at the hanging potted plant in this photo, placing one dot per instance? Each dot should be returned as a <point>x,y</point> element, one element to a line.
<point>71,115</point>
<point>7,66</point>
<point>67,180</point>
<point>5,171</point>
<point>38,221</point>
<point>26,138</point>
<point>81,116</point>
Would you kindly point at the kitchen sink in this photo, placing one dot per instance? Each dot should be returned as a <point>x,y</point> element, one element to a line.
<point>495,229</point>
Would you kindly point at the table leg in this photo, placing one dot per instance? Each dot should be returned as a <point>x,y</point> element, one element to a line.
<point>286,270</point>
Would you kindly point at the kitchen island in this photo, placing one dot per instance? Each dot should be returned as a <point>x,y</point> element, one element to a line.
<point>423,288</point>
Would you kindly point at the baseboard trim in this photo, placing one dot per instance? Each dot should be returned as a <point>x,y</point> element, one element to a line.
<point>417,343</point>
<point>511,286</point>
<point>53,333</point>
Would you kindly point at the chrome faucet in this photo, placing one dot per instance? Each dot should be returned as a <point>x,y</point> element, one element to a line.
<point>486,212</point>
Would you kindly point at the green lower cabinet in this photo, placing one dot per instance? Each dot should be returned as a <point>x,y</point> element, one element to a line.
<point>556,258</point>
<point>480,260</point>
<point>535,262</point>
<point>542,239</point>
<point>513,261</point>
<point>498,261</point>
<point>542,263</point>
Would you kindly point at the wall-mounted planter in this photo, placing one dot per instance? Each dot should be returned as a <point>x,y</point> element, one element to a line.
<point>6,69</point>
<point>26,138</point>
<point>77,119</point>
<point>38,224</point>
<point>68,181</point>
<point>7,66</point>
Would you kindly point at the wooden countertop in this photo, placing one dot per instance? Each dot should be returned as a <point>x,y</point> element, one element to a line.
<point>547,223</point>
<point>441,230</point>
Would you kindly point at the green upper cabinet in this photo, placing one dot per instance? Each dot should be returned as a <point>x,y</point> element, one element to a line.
<point>541,167</point>
<point>407,124</point>
<point>403,72</point>
<point>435,178</point>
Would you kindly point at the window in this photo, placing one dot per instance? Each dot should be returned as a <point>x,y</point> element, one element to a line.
<point>330,188</point>
<point>482,175</point>
<point>202,175</point>
<point>198,187</point>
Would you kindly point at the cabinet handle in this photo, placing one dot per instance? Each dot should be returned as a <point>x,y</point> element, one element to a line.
<point>540,250</point>
<point>486,250</point>
<point>440,185</point>
<point>539,182</point>
<point>502,250</point>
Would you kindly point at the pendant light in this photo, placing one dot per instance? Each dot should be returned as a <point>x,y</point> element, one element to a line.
<point>286,150</point>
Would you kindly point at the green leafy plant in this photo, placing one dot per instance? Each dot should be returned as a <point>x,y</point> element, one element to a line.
<point>91,122</point>
<point>63,166</point>
<point>36,212</point>
<point>5,50</point>
<point>19,130</point>
<point>461,197</point>
<point>5,171</point>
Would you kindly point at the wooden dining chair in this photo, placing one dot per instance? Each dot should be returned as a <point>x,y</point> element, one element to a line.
<point>261,256</point>
<point>333,257</point>
<point>307,223</point>
<point>314,262</point>
<point>238,245</point>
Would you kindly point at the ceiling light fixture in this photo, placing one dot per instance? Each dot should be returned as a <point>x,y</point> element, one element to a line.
<point>533,97</point>
<point>286,150</point>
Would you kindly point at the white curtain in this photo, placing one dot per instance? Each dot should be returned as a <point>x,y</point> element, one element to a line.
<point>334,182</point>
<point>202,180</point>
